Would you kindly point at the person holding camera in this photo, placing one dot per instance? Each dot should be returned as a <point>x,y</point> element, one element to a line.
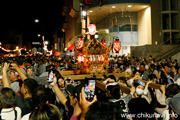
<point>166,75</point>
<point>23,100</point>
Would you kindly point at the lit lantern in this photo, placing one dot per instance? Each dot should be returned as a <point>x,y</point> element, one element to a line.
<point>117,45</point>
<point>103,42</point>
<point>79,59</point>
<point>92,29</point>
<point>102,58</point>
<point>79,43</point>
<point>70,46</point>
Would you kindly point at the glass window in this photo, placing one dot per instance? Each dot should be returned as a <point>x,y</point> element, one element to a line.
<point>175,37</point>
<point>174,21</point>
<point>125,21</point>
<point>174,4</point>
<point>166,38</point>
<point>165,19</point>
<point>165,5</point>
<point>122,21</point>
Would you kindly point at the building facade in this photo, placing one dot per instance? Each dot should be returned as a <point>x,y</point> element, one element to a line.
<point>135,22</point>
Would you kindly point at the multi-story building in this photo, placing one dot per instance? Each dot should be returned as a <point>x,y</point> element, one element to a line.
<point>135,22</point>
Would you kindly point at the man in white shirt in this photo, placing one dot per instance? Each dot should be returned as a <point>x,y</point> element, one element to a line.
<point>7,99</point>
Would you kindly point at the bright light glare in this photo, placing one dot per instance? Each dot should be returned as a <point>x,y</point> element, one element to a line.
<point>113,6</point>
<point>46,42</point>
<point>39,35</point>
<point>84,13</point>
<point>91,11</point>
<point>129,5</point>
<point>36,20</point>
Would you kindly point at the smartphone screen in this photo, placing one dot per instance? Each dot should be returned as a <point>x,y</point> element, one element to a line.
<point>51,76</point>
<point>89,88</point>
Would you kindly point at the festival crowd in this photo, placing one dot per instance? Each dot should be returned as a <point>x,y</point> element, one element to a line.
<point>27,94</point>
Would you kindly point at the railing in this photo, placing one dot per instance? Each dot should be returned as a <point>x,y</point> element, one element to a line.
<point>171,42</point>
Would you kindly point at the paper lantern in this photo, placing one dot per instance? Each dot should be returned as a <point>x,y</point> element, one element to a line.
<point>92,29</point>
<point>79,60</point>
<point>117,45</point>
<point>103,42</point>
<point>70,46</point>
<point>79,43</point>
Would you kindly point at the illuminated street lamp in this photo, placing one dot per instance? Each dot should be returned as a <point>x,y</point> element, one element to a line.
<point>84,13</point>
<point>39,35</point>
<point>36,20</point>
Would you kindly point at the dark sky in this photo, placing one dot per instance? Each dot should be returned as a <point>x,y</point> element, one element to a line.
<point>20,15</point>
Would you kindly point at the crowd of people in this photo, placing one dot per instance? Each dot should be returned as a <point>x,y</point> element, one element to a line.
<point>26,93</point>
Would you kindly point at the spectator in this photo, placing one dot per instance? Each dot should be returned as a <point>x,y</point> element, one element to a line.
<point>166,74</point>
<point>127,67</point>
<point>73,102</point>
<point>144,72</point>
<point>41,96</point>
<point>140,110</point>
<point>15,82</point>
<point>23,101</point>
<point>46,112</point>
<point>40,80</point>
<point>7,99</point>
<point>42,67</point>
<point>171,91</point>
<point>113,94</point>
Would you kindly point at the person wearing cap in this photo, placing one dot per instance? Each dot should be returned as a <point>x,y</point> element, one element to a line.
<point>23,100</point>
<point>32,75</point>
<point>15,82</point>
<point>73,103</point>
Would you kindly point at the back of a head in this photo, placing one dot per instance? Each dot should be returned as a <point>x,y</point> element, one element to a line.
<point>112,77</point>
<point>114,91</point>
<point>42,95</point>
<point>7,97</point>
<point>46,112</point>
<point>101,111</point>
<point>172,90</point>
<point>31,85</point>
<point>142,107</point>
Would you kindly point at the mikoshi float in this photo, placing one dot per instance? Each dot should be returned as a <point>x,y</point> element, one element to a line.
<point>94,54</point>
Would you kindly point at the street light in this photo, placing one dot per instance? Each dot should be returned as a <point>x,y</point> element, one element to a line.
<point>39,35</point>
<point>84,13</point>
<point>36,20</point>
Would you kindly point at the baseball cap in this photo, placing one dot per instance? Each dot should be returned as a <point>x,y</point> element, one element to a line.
<point>16,73</point>
<point>175,104</point>
<point>74,90</point>
<point>29,67</point>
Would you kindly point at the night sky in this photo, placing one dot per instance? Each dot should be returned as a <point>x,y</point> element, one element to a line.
<point>20,15</point>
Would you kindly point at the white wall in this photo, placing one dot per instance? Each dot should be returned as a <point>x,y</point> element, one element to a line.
<point>144,26</point>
